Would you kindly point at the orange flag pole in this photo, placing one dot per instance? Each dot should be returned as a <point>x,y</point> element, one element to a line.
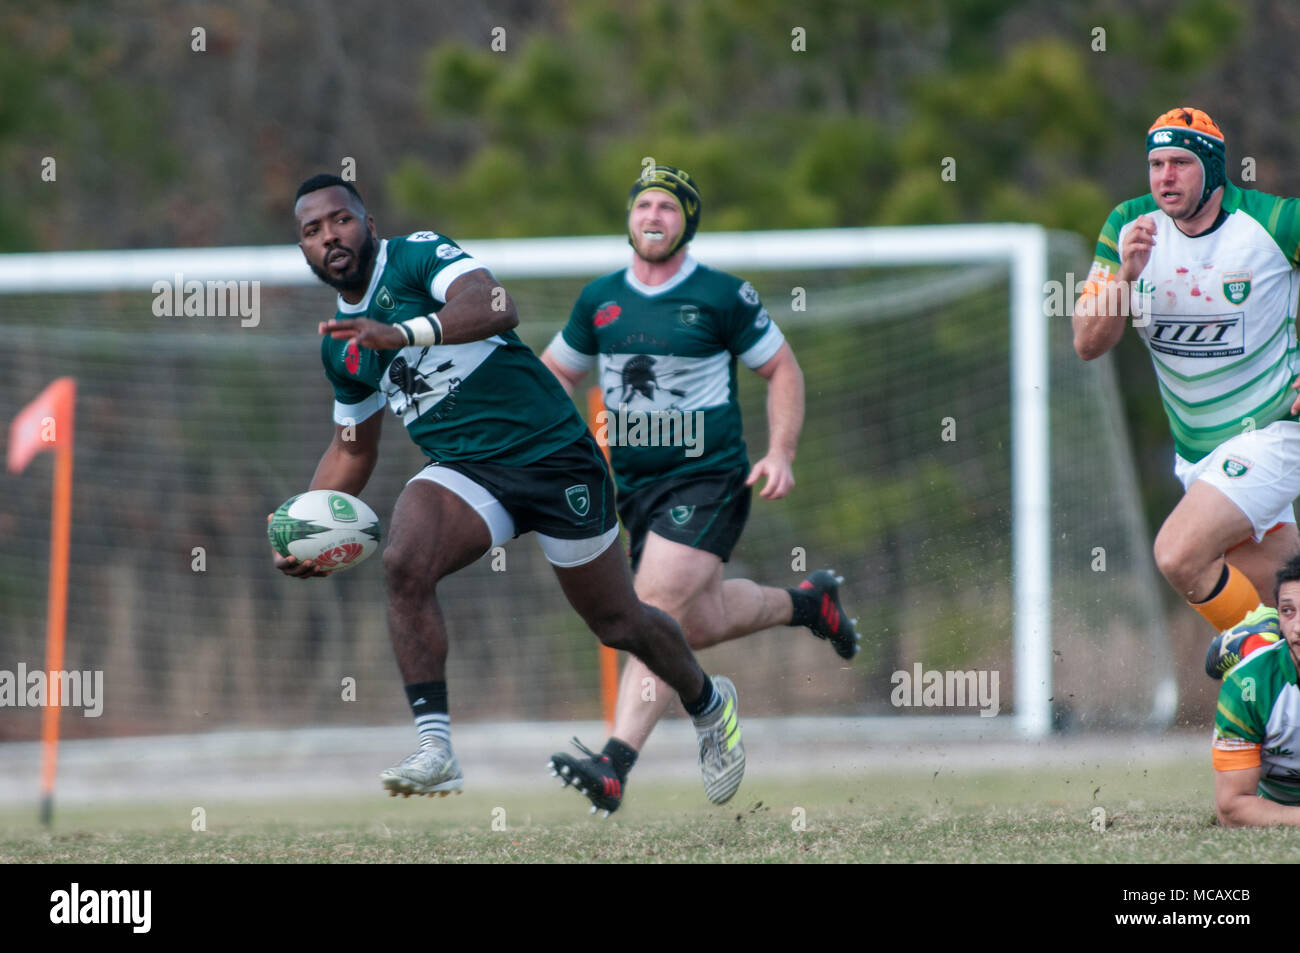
<point>48,423</point>
<point>608,657</point>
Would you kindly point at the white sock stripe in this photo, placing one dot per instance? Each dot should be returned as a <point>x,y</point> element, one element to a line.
<point>433,726</point>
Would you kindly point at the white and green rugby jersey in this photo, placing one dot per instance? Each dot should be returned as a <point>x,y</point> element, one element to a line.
<point>667,359</point>
<point>489,400</point>
<point>1258,722</point>
<point>1219,312</point>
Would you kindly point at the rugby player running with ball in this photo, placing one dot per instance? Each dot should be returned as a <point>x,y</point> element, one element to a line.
<point>423,330</point>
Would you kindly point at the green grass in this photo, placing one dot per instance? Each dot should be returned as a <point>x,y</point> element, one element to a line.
<point>1160,815</point>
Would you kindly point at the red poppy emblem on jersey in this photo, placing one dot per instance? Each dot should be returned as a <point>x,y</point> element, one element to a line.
<point>607,314</point>
<point>352,357</point>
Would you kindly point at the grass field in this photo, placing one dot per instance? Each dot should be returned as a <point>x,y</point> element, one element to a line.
<point>1159,815</point>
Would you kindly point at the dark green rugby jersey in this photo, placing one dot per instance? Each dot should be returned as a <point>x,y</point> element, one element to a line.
<point>490,400</point>
<point>667,362</point>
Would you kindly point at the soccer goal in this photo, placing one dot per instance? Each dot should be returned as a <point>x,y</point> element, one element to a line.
<point>964,471</point>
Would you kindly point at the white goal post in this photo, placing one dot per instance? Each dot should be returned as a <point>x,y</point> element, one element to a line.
<point>1021,248</point>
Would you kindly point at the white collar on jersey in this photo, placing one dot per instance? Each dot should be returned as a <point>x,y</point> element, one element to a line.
<point>381,259</point>
<point>689,265</point>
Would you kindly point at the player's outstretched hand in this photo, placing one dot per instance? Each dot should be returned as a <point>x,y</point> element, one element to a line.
<point>1135,250</point>
<point>1295,406</point>
<point>779,478</point>
<point>367,333</point>
<point>290,566</point>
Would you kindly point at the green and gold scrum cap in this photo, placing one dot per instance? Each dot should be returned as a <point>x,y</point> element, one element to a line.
<point>681,187</point>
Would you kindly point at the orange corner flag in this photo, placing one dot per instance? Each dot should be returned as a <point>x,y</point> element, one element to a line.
<point>43,424</point>
<point>46,424</point>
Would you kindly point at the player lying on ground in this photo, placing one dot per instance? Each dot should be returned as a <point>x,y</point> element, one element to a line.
<point>1209,272</point>
<point>1257,727</point>
<point>665,334</point>
<point>425,330</point>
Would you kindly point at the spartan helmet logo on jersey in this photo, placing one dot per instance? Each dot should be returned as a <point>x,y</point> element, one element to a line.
<point>408,380</point>
<point>414,384</point>
<point>638,378</point>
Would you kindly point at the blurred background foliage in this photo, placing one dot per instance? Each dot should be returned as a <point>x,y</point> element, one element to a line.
<point>158,144</point>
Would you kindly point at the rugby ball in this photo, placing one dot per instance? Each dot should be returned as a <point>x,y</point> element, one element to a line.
<point>334,530</point>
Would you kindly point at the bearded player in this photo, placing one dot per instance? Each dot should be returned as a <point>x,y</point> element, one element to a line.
<point>423,330</point>
<point>665,335</point>
<point>1208,272</point>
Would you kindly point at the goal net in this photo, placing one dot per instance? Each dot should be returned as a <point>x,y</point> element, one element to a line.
<point>962,469</point>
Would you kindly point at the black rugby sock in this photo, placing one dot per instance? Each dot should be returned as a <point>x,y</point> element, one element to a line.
<point>428,701</point>
<point>807,605</point>
<point>705,703</point>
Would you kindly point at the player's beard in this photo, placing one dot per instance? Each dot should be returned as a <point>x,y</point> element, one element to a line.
<point>354,279</point>
<point>654,257</point>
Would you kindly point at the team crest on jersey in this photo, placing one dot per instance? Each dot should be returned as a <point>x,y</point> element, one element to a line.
<point>1235,466</point>
<point>748,294</point>
<point>385,300</point>
<point>606,314</point>
<point>690,315</point>
<point>1236,286</point>
<point>762,319</point>
<point>579,499</point>
<point>422,237</point>
<point>681,515</point>
<point>448,252</point>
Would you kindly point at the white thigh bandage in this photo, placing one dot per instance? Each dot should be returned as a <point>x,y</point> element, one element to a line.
<point>567,553</point>
<point>487,506</point>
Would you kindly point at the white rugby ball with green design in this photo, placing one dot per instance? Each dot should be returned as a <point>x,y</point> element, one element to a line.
<point>334,530</point>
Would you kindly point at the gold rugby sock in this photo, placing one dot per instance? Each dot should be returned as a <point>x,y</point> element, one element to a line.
<point>1235,599</point>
